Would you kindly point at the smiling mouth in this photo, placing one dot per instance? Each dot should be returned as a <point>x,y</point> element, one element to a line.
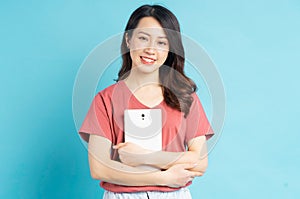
<point>147,60</point>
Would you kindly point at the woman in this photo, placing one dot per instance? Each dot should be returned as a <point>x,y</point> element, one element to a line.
<point>151,77</point>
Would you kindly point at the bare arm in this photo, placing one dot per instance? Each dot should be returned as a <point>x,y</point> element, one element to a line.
<point>196,154</point>
<point>105,169</point>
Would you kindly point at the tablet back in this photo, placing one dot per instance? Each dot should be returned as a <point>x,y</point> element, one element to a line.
<point>144,127</point>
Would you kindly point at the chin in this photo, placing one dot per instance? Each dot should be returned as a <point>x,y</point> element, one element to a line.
<point>148,71</point>
<point>148,68</point>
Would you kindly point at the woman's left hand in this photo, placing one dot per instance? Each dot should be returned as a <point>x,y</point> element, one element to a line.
<point>132,154</point>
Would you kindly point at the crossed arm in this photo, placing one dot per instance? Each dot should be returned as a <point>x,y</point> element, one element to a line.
<point>134,155</point>
<point>180,167</point>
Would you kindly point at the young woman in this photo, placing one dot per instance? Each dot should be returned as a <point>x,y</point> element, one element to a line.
<point>151,77</point>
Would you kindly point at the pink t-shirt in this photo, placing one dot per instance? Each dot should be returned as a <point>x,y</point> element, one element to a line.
<point>106,118</point>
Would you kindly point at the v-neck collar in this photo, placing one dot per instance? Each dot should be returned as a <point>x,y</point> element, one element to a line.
<point>131,95</point>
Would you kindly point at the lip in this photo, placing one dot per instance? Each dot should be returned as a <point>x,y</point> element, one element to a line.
<point>147,60</point>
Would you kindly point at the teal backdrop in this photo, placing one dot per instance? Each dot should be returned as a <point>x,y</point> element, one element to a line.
<point>255,46</point>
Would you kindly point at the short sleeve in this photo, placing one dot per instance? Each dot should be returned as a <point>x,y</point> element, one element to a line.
<point>197,123</point>
<point>97,119</point>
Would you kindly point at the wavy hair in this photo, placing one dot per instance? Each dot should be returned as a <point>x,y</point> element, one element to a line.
<point>176,86</point>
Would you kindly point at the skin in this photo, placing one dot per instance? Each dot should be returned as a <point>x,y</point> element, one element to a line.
<point>148,49</point>
<point>104,169</point>
<point>134,155</point>
<point>149,42</point>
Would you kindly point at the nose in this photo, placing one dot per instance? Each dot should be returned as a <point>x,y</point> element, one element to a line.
<point>150,49</point>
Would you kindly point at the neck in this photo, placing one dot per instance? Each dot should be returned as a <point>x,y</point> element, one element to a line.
<point>137,79</point>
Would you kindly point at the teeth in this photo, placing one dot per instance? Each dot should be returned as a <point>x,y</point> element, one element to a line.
<point>147,59</point>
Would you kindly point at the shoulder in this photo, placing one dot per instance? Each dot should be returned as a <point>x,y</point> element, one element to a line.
<point>194,95</point>
<point>195,98</point>
<point>111,90</point>
<point>111,95</point>
<point>196,105</point>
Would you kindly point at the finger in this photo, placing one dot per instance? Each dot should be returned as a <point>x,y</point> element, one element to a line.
<point>118,146</point>
<point>189,166</point>
<point>196,174</point>
<point>190,180</point>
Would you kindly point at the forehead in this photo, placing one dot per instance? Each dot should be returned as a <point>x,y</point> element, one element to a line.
<point>151,26</point>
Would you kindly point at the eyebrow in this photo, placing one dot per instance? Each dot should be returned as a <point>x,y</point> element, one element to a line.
<point>162,37</point>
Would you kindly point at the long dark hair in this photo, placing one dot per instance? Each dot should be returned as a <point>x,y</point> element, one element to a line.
<point>177,87</point>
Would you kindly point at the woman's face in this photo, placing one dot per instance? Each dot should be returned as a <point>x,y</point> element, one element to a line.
<point>148,45</point>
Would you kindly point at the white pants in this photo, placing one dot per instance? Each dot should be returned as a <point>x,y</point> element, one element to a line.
<point>183,193</point>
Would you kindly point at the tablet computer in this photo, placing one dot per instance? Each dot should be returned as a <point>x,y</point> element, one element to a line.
<point>144,127</point>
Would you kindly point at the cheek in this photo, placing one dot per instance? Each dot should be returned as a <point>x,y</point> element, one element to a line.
<point>163,55</point>
<point>136,49</point>
<point>134,55</point>
<point>137,45</point>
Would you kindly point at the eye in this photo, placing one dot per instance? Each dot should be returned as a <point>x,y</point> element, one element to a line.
<point>162,43</point>
<point>142,38</point>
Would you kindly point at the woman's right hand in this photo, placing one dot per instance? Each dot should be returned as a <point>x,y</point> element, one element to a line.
<point>179,175</point>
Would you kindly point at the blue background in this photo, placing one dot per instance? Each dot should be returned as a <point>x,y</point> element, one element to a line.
<point>254,44</point>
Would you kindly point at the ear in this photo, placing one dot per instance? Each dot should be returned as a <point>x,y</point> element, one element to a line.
<point>127,40</point>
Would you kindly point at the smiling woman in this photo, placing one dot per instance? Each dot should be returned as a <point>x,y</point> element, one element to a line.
<point>148,44</point>
<point>151,77</point>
